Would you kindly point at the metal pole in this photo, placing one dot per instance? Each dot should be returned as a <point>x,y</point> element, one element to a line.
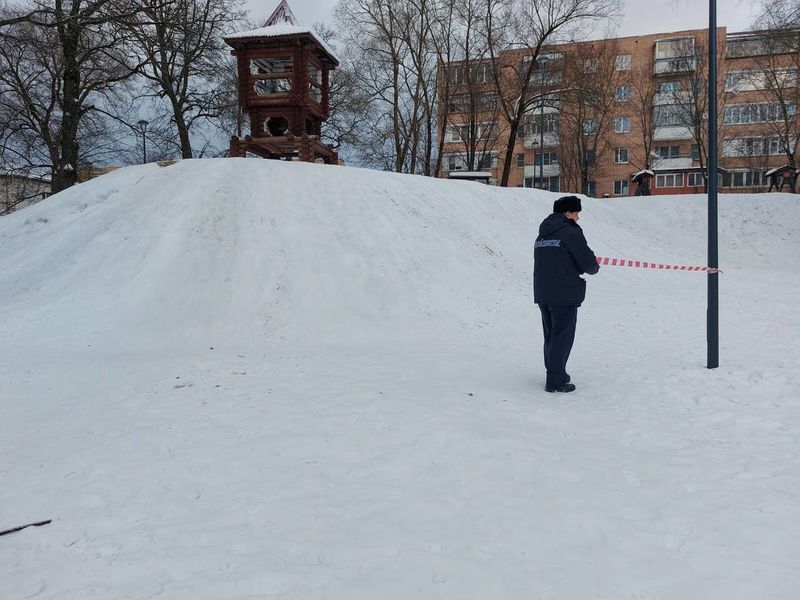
<point>542,59</point>
<point>542,66</point>
<point>712,314</point>
<point>143,124</point>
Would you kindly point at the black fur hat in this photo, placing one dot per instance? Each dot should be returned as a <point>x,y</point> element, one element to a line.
<point>567,204</point>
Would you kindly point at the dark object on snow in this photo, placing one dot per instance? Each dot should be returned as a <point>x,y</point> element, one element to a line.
<point>780,176</point>
<point>21,527</point>
<point>567,204</point>
<point>565,389</point>
<point>561,256</point>
<point>642,181</point>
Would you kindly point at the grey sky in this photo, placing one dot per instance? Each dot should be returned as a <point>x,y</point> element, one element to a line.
<point>640,16</point>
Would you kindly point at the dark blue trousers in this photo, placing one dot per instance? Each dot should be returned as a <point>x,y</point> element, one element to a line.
<point>558,325</point>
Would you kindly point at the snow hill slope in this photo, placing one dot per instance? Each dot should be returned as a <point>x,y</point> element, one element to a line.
<point>252,379</point>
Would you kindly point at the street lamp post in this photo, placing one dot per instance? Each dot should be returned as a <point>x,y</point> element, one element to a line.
<point>143,125</point>
<point>542,59</point>
<point>712,314</point>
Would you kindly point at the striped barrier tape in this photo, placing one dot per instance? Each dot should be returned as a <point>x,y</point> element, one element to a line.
<point>622,262</point>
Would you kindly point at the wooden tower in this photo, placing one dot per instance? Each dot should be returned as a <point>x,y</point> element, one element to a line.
<point>284,72</point>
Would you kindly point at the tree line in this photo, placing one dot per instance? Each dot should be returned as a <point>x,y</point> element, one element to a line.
<point>78,76</point>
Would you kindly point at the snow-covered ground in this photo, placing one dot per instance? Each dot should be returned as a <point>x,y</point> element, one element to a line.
<point>246,379</point>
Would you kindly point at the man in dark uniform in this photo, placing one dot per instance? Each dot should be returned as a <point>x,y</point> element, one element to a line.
<point>561,256</point>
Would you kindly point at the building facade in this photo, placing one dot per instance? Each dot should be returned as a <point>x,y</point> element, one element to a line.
<point>597,113</point>
<point>19,189</point>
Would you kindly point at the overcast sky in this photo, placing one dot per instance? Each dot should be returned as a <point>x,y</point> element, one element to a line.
<point>640,16</point>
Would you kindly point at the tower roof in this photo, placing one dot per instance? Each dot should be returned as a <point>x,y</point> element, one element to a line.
<point>281,15</point>
<point>278,31</point>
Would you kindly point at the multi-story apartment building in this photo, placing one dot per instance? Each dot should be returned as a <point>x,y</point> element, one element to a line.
<point>613,108</point>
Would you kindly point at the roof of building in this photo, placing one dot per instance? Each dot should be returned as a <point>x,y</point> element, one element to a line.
<point>779,169</point>
<point>283,30</point>
<point>26,174</point>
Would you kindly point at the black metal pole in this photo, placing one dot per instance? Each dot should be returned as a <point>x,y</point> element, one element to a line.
<point>712,314</point>
<point>543,65</point>
<point>143,127</point>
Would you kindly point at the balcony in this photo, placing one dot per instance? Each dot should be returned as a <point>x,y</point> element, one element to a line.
<point>671,66</point>
<point>551,170</point>
<point>532,141</point>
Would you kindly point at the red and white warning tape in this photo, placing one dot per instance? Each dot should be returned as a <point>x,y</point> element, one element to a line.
<point>622,262</point>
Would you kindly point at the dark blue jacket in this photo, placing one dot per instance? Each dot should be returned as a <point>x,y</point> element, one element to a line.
<point>561,255</point>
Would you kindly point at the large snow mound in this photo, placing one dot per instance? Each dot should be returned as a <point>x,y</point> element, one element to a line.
<point>249,379</point>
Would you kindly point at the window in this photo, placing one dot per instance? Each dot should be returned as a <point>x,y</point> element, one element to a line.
<point>589,126</point>
<point>667,151</point>
<point>622,124</point>
<point>458,103</point>
<point>458,74</point>
<point>487,161</point>
<point>674,56</point>
<point>669,180</point>
<point>622,93</point>
<point>531,128</point>
<point>752,146</point>
<point>483,73</point>
<point>465,133</point>
<point>621,187</point>
<point>272,76</point>
<point>550,183</point>
<point>592,98</point>
<point>746,81</point>
<point>314,82</point>
<point>668,87</point>
<point>620,156</point>
<point>748,178</point>
<point>589,157</point>
<point>695,180</point>
<point>671,115</point>
<point>591,65</point>
<point>675,48</point>
<point>761,112</point>
<point>744,47</point>
<point>487,102</point>
<point>550,158</point>
<point>592,188</point>
<point>455,163</point>
<point>760,45</point>
<point>695,151</point>
<point>521,160</point>
<point>623,62</point>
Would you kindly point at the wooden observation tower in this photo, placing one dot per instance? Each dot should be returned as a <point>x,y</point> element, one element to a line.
<point>284,72</point>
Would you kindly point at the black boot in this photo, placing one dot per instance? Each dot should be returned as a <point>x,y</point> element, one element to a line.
<point>566,388</point>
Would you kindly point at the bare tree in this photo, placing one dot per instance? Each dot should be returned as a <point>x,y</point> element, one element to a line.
<point>778,14</point>
<point>390,49</point>
<point>179,46</point>
<point>643,95</point>
<point>526,26</point>
<point>775,81</point>
<point>472,113</point>
<point>57,74</point>
<point>444,29</point>
<point>686,107</point>
<point>587,111</point>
